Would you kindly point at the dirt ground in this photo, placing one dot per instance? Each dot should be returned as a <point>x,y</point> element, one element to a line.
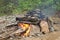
<point>4,33</point>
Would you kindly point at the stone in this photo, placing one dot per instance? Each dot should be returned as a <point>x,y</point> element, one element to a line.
<point>44,27</point>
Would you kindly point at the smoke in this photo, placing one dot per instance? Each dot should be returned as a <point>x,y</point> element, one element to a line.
<point>48,9</point>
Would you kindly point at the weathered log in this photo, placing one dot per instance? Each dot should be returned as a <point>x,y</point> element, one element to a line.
<point>31,20</point>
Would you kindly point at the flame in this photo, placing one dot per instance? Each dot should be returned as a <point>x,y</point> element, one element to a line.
<point>26,28</point>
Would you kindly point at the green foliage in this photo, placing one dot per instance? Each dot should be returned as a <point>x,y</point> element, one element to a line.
<point>33,4</point>
<point>6,7</point>
<point>58,4</point>
<point>18,6</point>
<point>28,4</point>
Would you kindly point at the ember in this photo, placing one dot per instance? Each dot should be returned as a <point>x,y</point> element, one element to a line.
<point>26,27</point>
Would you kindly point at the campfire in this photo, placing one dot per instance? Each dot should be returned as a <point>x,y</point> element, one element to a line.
<point>26,29</point>
<point>34,17</point>
<point>33,24</point>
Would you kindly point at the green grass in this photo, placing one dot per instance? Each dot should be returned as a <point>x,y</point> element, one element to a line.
<point>2,14</point>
